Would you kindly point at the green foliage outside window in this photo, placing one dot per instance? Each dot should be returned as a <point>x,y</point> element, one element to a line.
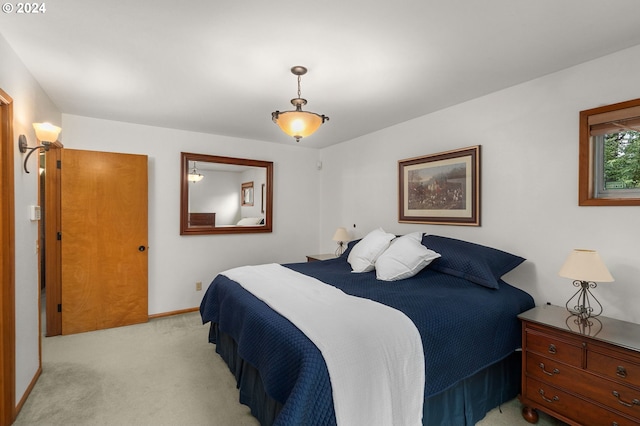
<point>622,160</point>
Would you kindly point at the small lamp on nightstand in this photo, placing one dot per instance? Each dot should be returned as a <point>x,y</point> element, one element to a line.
<point>342,237</point>
<point>584,267</point>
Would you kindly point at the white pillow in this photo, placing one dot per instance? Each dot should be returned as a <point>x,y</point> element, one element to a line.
<point>405,257</point>
<point>249,221</point>
<point>363,255</point>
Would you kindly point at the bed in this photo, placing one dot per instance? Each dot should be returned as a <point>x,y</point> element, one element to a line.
<point>465,313</point>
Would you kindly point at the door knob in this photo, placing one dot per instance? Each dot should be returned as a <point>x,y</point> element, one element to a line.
<point>142,248</point>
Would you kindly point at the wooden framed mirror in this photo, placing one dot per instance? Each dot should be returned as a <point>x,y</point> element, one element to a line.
<point>214,195</point>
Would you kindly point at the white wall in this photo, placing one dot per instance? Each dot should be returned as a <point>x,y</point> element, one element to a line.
<point>177,262</point>
<point>257,176</point>
<point>30,104</point>
<point>529,138</point>
<point>217,192</point>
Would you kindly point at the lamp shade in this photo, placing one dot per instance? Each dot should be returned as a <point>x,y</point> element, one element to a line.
<point>195,177</point>
<point>585,265</point>
<point>298,124</point>
<point>46,132</point>
<point>341,234</point>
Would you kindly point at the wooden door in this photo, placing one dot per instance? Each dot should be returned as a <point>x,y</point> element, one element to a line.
<point>104,240</point>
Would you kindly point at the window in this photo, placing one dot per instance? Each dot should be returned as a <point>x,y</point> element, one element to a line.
<point>609,161</point>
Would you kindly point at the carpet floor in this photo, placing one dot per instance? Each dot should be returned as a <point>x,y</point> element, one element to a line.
<point>163,372</point>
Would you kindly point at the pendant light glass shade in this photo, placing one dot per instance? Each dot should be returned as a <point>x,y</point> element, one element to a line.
<point>194,176</point>
<point>298,123</point>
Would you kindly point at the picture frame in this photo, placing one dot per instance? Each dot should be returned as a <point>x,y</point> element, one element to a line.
<point>442,188</point>
<point>247,194</point>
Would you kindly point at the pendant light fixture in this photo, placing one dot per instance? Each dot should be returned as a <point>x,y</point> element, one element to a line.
<point>194,176</point>
<point>298,123</point>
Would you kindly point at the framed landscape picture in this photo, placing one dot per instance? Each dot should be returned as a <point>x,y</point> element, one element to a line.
<point>247,194</point>
<point>441,188</point>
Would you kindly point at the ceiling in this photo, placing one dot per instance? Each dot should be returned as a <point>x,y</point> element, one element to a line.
<point>222,67</point>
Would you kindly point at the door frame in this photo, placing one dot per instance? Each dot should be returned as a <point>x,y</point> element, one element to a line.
<point>7,263</point>
<point>52,245</point>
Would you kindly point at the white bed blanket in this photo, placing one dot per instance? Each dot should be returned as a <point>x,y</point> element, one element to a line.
<point>373,352</point>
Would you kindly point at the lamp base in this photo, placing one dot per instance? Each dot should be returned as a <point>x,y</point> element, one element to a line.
<point>340,249</point>
<point>581,301</point>
<point>586,326</point>
<point>22,143</point>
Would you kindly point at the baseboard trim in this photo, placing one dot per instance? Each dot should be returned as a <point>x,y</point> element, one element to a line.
<point>28,391</point>
<point>172,313</point>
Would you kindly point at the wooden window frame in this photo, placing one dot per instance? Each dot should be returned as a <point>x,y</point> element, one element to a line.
<point>586,179</point>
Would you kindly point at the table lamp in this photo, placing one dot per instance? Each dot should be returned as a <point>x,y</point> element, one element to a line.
<point>341,236</point>
<point>584,267</point>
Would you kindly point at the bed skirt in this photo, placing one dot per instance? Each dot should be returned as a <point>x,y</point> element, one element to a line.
<point>465,403</point>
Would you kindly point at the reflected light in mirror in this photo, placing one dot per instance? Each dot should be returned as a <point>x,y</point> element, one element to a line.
<point>194,176</point>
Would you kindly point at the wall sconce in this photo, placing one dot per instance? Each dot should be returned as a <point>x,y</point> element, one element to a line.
<point>584,267</point>
<point>46,133</point>
<point>341,236</point>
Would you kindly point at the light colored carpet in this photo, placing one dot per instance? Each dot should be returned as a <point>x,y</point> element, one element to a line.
<point>163,372</point>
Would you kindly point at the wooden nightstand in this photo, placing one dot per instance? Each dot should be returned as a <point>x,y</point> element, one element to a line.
<point>316,257</point>
<point>582,374</point>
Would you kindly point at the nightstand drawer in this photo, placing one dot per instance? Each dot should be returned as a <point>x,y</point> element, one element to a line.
<point>610,364</point>
<point>567,351</point>
<point>556,400</point>
<point>553,372</point>
<point>614,395</point>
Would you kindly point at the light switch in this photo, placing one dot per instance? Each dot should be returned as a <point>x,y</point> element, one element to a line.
<point>34,213</point>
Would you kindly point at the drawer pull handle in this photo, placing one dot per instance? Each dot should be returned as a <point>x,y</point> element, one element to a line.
<point>552,349</point>
<point>555,370</point>
<point>621,372</point>
<point>626,404</point>
<point>554,399</point>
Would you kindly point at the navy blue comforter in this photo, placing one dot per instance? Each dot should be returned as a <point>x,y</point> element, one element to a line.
<point>465,327</point>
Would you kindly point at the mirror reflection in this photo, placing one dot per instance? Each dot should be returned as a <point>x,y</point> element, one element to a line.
<point>225,195</point>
